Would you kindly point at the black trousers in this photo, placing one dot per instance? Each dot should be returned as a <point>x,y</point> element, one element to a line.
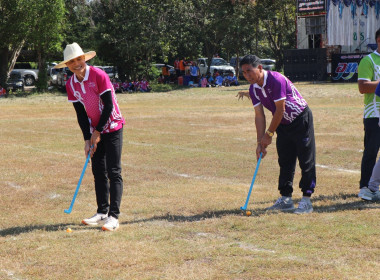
<point>106,168</point>
<point>296,140</point>
<point>371,148</point>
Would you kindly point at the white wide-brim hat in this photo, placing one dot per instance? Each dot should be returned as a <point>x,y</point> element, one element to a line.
<point>73,51</point>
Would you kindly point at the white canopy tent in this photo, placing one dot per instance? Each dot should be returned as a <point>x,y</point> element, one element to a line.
<point>352,23</point>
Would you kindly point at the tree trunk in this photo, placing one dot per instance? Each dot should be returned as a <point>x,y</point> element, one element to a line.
<point>237,66</point>
<point>3,66</point>
<point>42,82</point>
<point>14,55</point>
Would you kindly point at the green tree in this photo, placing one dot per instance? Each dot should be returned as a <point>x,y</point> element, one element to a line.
<point>47,34</point>
<point>79,25</point>
<point>35,23</point>
<point>14,27</point>
<point>277,20</point>
<point>130,33</point>
<point>242,31</point>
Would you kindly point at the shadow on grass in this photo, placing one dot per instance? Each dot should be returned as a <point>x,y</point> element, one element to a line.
<point>335,197</point>
<point>50,228</point>
<point>337,206</point>
<point>256,212</point>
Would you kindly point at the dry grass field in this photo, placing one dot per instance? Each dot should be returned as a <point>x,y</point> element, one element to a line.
<point>188,161</point>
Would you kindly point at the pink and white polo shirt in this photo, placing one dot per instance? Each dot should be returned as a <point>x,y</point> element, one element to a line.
<point>88,92</point>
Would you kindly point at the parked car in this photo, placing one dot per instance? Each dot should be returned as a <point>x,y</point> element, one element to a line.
<point>52,76</point>
<point>29,74</point>
<point>217,63</point>
<point>171,68</point>
<point>63,75</point>
<point>268,64</point>
<point>110,70</point>
<point>15,81</point>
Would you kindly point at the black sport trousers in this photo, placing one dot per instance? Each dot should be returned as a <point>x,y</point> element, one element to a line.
<point>296,140</point>
<point>371,148</point>
<point>106,168</point>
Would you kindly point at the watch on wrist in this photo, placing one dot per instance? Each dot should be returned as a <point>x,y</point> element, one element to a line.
<point>270,134</point>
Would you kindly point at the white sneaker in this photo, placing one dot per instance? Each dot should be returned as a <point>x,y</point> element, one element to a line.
<point>111,224</point>
<point>366,194</point>
<point>95,220</point>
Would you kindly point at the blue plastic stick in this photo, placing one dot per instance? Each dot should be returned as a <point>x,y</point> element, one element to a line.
<point>253,181</point>
<point>68,211</point>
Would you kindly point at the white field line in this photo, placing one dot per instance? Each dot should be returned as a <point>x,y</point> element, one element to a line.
<point>43,150</point>
<point>140,144</point>
<point>238,154</point>
<point>188,176</point>
<point>182,148</point>
<point>338,169</point>
<point>149,131</point>
<point>54,195</point>
<point>254,248</point>
<point>31,131</point>
<point>212,125</point>
<point>13,185</point>
<point>172,173</point>
<point>137,129</point>
<point>10,274</point>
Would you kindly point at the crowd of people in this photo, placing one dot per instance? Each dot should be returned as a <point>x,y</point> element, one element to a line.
<point>190,69</point>
<point>214,80</point>
<point>131,86</point>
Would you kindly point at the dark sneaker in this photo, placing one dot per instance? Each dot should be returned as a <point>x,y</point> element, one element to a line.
<point>304,207</point>
<point>284,203</point>
<point>366,194</point>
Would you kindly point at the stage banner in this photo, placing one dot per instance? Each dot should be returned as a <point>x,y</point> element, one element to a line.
<point>304,6</point>
<point>344,66</point>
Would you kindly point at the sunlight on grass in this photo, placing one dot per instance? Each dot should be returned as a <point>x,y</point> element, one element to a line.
<point>188,160</point>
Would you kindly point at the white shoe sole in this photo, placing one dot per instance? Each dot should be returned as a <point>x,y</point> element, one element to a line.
<point>93,224</point>
<point>281,210</point>
<point>304,212</point>
<point>110,229</point>
<point>367,198</point>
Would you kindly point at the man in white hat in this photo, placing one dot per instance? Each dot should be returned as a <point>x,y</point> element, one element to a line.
<point>101,122</point>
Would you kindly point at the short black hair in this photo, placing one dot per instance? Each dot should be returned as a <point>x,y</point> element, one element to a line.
<point>377,35</point>
<point>251,59</point>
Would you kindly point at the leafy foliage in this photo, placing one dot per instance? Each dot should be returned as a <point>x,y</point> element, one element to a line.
<point>35,24</point>
<point>134,34</point>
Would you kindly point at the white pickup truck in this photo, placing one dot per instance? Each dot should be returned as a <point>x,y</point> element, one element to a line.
<point>29,74</point>
<point>217,63</point>
<point>59,77</point>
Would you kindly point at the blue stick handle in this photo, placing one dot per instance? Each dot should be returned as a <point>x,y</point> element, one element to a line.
<point>253,181</point>
<point>68,211</point>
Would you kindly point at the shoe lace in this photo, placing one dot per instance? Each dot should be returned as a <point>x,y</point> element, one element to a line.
<point>303,205</point>
<point>279,201</point>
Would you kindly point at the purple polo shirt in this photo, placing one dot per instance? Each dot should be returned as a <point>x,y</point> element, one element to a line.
<point>277,87</point>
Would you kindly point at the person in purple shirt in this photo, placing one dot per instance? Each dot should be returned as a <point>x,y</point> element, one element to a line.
<point>292,120</point>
